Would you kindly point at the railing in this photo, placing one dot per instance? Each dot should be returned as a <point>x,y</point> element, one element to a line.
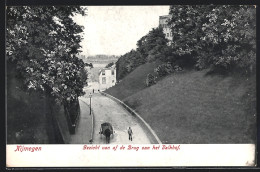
<point>154,138</point>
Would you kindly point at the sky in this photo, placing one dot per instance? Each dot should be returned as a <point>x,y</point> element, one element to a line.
<point>115,30</point>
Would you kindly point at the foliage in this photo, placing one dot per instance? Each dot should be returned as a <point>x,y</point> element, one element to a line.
<point>150,47</point>
<point>127,63</point>
<point>164,69</point>
<point>230,34</point>
<point>109,64</point>
<point>177,68</point>
<point>89,65</point>
<point>43,42</point>
<point>150,80</point>
<point>221,36</point>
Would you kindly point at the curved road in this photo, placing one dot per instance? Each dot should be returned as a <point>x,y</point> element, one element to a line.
<point>107,110</point>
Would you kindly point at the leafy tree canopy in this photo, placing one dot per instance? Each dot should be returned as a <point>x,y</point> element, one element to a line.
<point>42,42</point>
<point>109,64</point>
<point>222,36</point>
<point>152,46</point>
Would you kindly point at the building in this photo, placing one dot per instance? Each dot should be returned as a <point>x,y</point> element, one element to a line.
<point>107,78</point>
<point>166,29</point>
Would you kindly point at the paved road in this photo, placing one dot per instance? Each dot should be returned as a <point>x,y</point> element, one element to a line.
<point>106,110</point>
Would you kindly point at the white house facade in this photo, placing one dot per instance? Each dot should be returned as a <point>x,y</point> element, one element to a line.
<point>107,78</point>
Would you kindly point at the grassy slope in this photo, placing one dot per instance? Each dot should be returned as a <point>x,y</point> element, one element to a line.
<point>192,107</point>
<point>133,82</point>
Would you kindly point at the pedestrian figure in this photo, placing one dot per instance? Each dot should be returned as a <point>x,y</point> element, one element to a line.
<point>93,91</point>
<point>130,133</point>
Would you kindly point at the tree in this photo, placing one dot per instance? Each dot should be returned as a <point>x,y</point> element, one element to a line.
<point>185,23</point>
<point>43,42</point>
<point>221,36</point>
<point>164,69</point>
<point>152,46</point>
<point>230,35</point>
<point>109,64</point>
<point>89,65</point>
<point>127,63</point>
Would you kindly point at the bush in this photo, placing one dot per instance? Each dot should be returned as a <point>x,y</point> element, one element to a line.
<point>164,69</point>
<point>177,68</point>
<point>150,79</point>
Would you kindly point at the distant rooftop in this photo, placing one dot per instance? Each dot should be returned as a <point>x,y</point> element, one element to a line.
<point>104,69</point>
<point>165,16</point>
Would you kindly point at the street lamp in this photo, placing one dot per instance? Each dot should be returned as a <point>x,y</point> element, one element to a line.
<point>90,95</point>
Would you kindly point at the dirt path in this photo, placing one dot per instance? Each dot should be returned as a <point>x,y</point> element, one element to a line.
<point>106,110</point>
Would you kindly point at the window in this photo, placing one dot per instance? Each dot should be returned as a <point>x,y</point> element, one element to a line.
<point>167,34</point>
<point>103,80</point>
<point>113,81</point>
<point>103,72</point>
<point>113,72</point>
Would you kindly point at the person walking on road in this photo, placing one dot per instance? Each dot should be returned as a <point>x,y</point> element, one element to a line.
<point>130,133</point>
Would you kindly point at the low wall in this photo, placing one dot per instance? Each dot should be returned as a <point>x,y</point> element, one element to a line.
<point>152,135</point>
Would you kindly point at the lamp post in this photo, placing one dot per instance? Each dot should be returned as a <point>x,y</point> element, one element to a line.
<point>90,95</point>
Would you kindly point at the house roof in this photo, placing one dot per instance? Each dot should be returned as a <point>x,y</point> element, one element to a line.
<point>165,16</point>
<point>104,69</point>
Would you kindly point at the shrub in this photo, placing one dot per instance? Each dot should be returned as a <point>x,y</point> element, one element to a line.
<point>164,69</point>
<point>150,79</point>
<point>177,68</point>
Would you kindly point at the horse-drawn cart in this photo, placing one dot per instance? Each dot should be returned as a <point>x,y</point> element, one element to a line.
<point>106,129</point>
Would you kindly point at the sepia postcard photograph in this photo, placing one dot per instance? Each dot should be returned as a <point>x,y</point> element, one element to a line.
<point>161,85</point>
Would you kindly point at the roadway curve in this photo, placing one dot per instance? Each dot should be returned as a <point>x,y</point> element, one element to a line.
<point>107,110</point>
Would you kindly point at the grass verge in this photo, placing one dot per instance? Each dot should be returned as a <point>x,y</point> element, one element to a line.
<point>193,107</point>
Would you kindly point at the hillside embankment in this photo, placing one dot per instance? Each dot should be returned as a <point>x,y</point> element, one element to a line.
<point>193,106</point>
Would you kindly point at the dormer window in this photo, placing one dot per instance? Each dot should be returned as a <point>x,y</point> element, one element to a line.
<point>103,72</point>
